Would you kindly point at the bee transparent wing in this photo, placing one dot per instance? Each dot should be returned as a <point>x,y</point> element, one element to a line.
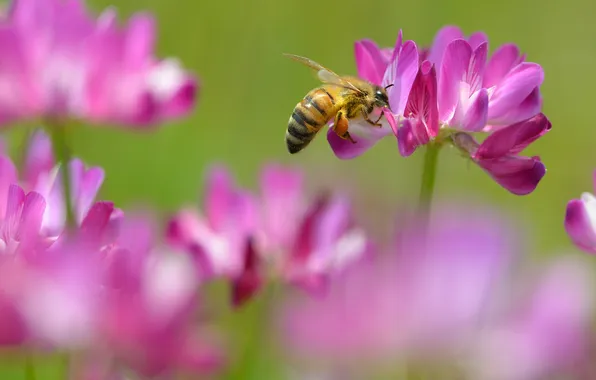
<point>324,74</point>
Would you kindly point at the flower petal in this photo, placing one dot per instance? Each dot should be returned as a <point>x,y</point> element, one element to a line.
<point>8,176</point>
<point>370,62</point>
<point>364,135</point>
<point>422,103</point>
<point>502,61</point>
<point>39,158</point>
<point>453,71</point>
<point>580,222</point>
<point>519,175</point>
<point>476,39</point>
<point>443,38</point>
<point>515,88</point>
<point>401,73</point>
<point>249,281</point>
<point>477,113</point>
<point>282,206</point>
<point>513,139</point>
<point>410,135</point>
<point>529,107</point>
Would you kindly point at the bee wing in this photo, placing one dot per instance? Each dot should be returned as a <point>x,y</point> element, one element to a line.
<point>324,74</point>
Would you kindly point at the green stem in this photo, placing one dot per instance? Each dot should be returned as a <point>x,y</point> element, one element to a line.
<point>429,171</point>
<point>29,368</point>
<point>63,155</point>
<point>255,345</point>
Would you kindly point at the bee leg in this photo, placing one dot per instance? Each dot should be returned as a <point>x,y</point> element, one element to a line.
<point>375,123</point>
<point>340,127</point>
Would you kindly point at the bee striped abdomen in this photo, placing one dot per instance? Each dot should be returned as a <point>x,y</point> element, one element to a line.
<point>309,116</point>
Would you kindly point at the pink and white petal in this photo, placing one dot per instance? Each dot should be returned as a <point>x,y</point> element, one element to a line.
<point>529,107</point>
<point>39,158</point>
<point>282,205</point>
<point>187,232</point>
<point>513,139</point>
<point>515,87</point>
<point>453,70</point>
<point>139,39</point>
<point>8,176</point>
<point>518,175</point>
<point>19,96</point>
<point>401,73</point>
<point>505,58</point>
<point>364,135</point>
<point>443,38</point>
<point>85,185</point>
<point>477,113</point>
<point>96,228</point>
<point>14,207</point>
<point>27,232</point>
<point>476,39</point>
<point>370,62</point>
<point>477,65</point>
<point>580,222</point>
<point>219,193</point>
<point>410,135</point>
<point>422,100</point>
<point>172,90</point>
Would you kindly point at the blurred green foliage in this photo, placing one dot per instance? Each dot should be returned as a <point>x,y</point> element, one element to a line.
<point>249,90</point>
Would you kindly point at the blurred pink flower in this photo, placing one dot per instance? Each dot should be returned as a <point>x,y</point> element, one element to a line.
<point>431,290</point>
<point>219,241</point>
<point>42,174</point>
<point>150,301</point>
<point>306,243</point>
<point>244,238</point>
<point>499,155</point>
<point>546,333</point>
<point>60,61</point>
<point>580,221</point>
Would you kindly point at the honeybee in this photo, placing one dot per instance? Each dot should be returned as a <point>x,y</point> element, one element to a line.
<point>340,99</point>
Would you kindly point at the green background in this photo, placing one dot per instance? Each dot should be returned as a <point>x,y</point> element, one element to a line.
<point>249,90</point>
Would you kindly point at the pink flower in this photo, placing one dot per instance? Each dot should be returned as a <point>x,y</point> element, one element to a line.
<point>450,87</point>
<point>60,61</point>
<point>425,296</point>
<point>307,243</point>
<point>498,154</point>
<point>243,237</point>
<point>470,94</point>
<point>220,240</point>
<point>580,221</point>
<point>545,334</point>
<point>149,306</point>
<point>42,174</point>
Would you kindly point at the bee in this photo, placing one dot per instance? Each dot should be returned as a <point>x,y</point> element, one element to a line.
<point>340,99</point>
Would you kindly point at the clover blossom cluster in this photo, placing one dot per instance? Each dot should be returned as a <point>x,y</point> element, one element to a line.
<point>452,93</point>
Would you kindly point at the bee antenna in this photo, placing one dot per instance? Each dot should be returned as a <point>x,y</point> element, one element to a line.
<point>388,86</point>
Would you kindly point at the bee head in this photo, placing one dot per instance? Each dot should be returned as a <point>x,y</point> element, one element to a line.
<point>381,99</point>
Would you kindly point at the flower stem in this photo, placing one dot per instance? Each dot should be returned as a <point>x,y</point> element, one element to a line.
<point>256,344</point>
<point>63,156</point>
<point>429,171</point>
<point>29,368</point>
